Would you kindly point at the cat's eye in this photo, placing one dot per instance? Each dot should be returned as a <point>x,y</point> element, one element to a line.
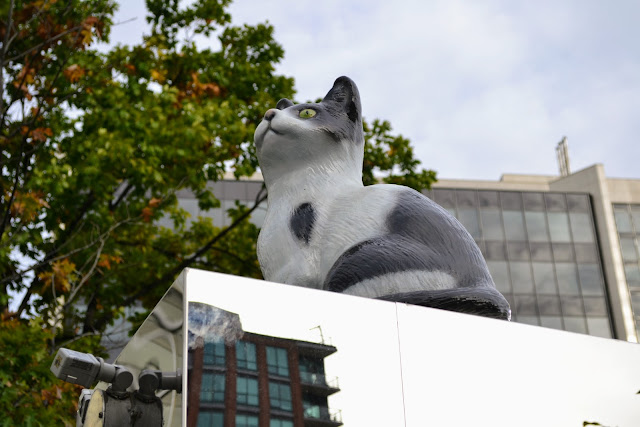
<point>307,113</point>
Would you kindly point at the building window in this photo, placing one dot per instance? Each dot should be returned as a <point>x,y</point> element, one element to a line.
<point>247,391</point>
<point>243,420</point>
<point>542,253</point>
<point>277,362</point>
<point>628,225</point>
<point>214,353</point>
<point>280,396</point>
<point>212,389</point>
<point>210,419</point>
<point>279,422</point>
<point>246,355</point>
<point>315,407</point>
<point>312,371</point>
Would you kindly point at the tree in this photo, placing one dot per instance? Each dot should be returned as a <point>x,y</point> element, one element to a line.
<point>95,147</point>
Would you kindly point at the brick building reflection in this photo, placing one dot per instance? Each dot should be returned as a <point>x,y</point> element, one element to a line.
<point>260,381</point>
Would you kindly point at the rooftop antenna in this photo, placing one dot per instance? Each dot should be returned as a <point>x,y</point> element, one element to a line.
<point>562,152</point>
<point>319,328</point>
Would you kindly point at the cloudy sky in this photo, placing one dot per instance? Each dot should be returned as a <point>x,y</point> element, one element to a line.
<point>481,88</point>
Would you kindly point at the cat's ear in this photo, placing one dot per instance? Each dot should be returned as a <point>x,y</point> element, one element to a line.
<point>345,92</point>
<point>284,103</point>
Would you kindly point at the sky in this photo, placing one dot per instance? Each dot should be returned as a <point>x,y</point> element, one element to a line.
<point>481,88</point>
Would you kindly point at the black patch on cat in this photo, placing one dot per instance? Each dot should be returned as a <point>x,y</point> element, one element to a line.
<point>376,257</point>
<point>421,236</point>
<point>345,97</point>
<point>302,221</point>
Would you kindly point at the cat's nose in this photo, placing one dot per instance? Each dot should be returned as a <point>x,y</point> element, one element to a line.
<point>270,114</point>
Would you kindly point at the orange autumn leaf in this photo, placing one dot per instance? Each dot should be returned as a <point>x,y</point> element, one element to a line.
<point>147,214</point>
<point>154,202</point>
<point>61,275</point>
<point>107,260</point>
<point>74,73</point>
<point>26,205</point>
<point>41,134</point>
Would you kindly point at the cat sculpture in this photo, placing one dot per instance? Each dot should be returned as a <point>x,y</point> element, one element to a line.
<point>324,229</point>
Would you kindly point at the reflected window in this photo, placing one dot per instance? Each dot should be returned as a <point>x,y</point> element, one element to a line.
<point>559,227</point>
<point>495,250</point>
<point>277,362</point>
<point>536,226</point>
<point>544,278</point>
<point>575,324</point>
<point>466,199</point>
<point>635,301</point>
<point>511,201</point>
<point>280,396</point>
<point>540,251</point>
<point>469,218</point>
<point>315,407</point>
<point>590,279</point>
<point>518,251</point>
<point>555,202</point>
<point>549,305</point>
<point>595,306</point>
<point>554,322</point>
<point>623,220</point>
<point>491,224</point>
<point>525,305</point>
<point>529,320</point>
<point>488,199</point>
<point>599,327</point>
<point>533,201</point>
<point>210,418</point>
<point>500,274</point>
<point>586,252</point>
<point>635,214</point>
<point>514,225</point>
<point>212,389</point>
<point>445,198</point>
<point>246,355</point>
<point>581,227</point>
<point>311,370</point>
<point>572,306</point>
<point>578,203</point>
<point>246,420</point>
<point>279,422</point>
<point>567,278</point>
<point>247,391</point>
<point>628,246</point>
<point>632,271</point>
<point>521,277</point>
<point>562,251</point>
<point>214,353</point>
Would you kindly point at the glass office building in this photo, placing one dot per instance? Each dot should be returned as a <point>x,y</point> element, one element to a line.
<point>564,250</point>
<point>542,253</point>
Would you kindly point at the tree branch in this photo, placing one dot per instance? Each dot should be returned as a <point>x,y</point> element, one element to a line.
<point>170,275</point>
<point>5,48</point>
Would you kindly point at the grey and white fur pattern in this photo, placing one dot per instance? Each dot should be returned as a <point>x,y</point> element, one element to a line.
<point>324,229</point>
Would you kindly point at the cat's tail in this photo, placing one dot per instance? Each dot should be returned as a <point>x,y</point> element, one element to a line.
<point>481,301</point>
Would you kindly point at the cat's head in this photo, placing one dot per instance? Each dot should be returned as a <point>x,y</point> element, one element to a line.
<point>322,136</point>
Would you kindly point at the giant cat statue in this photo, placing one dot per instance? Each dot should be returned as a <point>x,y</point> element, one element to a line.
<point>324,229</point>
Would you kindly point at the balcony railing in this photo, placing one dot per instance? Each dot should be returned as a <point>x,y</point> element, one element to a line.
<point>319,380</point>
<point>318,412</point>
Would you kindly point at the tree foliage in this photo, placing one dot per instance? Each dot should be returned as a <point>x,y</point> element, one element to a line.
<point>95,147</point>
